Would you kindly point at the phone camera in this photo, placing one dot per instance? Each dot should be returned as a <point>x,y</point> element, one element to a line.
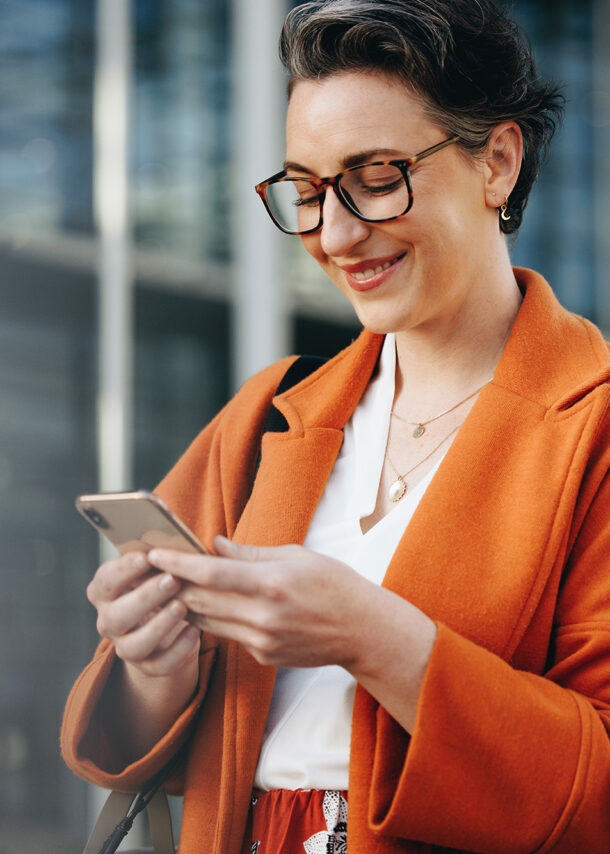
<point>97,518</point>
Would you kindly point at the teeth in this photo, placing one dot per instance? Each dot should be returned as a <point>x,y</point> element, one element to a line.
<point>368,274</point>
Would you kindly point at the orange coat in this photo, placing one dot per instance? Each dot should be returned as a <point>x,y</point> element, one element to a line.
<point>509,551</point>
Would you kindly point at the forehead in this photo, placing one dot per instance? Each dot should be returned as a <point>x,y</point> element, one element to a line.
<point>355,110</point>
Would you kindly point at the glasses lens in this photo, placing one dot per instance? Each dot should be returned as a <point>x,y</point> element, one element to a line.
<point>377,192</point>
<point>295,204</point>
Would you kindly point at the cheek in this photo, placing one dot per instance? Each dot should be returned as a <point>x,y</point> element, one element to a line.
<point>311,244</point>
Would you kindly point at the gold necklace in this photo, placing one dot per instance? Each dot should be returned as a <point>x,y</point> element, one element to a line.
<point>420,426</point>
<point>398,488</point>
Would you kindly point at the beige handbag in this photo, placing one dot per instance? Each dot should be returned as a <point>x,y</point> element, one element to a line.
<point>117,816</point>
<point>116,819</point>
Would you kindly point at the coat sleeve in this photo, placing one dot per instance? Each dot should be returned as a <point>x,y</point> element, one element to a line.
<point>501,760</point>
<point>208,488</point>
<point>85,745</point>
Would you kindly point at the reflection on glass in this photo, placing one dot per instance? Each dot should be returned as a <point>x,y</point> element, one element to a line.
<point>46,61</point>
<point>181,122</point>
<point>557,235</point>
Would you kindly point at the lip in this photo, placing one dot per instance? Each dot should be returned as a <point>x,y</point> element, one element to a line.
<point>371,273</point>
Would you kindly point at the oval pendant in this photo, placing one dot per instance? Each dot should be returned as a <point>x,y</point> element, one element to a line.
<point>419,431</point>
<point>397,490</point>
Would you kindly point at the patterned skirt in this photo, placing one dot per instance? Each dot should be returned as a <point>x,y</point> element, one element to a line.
<point>299,822</point>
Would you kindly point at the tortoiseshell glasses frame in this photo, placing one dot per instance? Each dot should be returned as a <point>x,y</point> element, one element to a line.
<point>373,192</point>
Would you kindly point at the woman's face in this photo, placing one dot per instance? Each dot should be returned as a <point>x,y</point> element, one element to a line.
<point>424,268</point>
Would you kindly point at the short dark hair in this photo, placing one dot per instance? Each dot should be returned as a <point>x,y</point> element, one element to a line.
<point>470,63</point>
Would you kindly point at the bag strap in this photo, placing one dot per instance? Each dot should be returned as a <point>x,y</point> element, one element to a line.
<point>160,824</point>
<point>116,807</point>
<point>120,809</point>
<point>116,819</point>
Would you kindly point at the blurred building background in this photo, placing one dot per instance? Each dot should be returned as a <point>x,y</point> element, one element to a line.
<point>198,129</point>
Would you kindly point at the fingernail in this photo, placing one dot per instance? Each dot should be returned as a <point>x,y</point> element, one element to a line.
<point>138,560</point>
<point>176,608</point>
<point>167,583</point>
<point>222,542</point>
<point>194,633</point>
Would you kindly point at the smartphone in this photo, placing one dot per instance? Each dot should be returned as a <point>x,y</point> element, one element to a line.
<point>137,521</point>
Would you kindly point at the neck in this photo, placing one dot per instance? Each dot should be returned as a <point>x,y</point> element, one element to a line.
<point>459,356</point>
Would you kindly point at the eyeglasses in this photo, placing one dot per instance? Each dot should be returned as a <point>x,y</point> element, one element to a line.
<point>373,192</point>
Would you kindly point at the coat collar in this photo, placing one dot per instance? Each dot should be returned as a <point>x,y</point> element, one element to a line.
<point>552,357</point>
<point>310,405</point>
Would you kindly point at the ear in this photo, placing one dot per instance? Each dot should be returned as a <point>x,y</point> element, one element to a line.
<point>502,162</point>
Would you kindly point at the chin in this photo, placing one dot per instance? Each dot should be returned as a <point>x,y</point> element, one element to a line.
<point>380,326</point>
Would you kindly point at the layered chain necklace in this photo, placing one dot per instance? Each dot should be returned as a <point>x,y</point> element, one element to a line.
<point>420,426</point>
<point>398,488</point>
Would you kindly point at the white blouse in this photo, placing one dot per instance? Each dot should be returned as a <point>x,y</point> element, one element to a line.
<point>307,736</point>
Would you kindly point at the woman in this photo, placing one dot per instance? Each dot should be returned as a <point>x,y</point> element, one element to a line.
<point>441,635</point>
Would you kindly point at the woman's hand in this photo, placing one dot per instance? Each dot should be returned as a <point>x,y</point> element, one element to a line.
<point>287,606</point>
<point>291,607</point>
<point>139,612</point>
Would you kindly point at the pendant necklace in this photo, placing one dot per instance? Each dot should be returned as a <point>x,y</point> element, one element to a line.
<point>398,488</point>
<point>420,426</point>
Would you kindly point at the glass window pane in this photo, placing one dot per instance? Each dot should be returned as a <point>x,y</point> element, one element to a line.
<point>46,63</point>
<point>181,127</point>
<point>557,236</point>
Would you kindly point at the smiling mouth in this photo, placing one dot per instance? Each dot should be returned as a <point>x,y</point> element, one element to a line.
<point>365,275</point>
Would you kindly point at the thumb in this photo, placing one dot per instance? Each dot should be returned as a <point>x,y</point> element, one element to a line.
<point>226,548</point>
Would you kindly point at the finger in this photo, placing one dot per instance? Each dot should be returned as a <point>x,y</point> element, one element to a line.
<point>154,637</point>
<point>259,644</point>
<point>137,606</point>
<point>227,548</point>
<point>116,576</point>
<point>169,639</point>
<point>210,572</point>
<point>186,645</point>
<point>166,660</point>
<point>205,602</point>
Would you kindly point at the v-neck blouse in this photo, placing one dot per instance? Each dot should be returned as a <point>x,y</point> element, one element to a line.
<point>306,741</point>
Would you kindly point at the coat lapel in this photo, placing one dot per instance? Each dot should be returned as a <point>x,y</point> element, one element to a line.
<point>296,464</point>
<point>496,518</point>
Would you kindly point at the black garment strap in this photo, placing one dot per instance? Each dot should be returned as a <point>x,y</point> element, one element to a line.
<point>276,423</point>
<point>301,368</point>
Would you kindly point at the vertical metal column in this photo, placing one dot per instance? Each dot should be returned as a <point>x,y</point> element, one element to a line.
<point>260,329</point>
<point>113,77</point>
<point>111,199</point>
<point>601,120</point>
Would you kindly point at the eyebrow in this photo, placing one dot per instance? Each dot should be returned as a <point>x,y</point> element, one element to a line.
<point>351,160</point>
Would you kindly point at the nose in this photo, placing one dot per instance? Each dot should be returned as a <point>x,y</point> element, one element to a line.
<point>340,230</point>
